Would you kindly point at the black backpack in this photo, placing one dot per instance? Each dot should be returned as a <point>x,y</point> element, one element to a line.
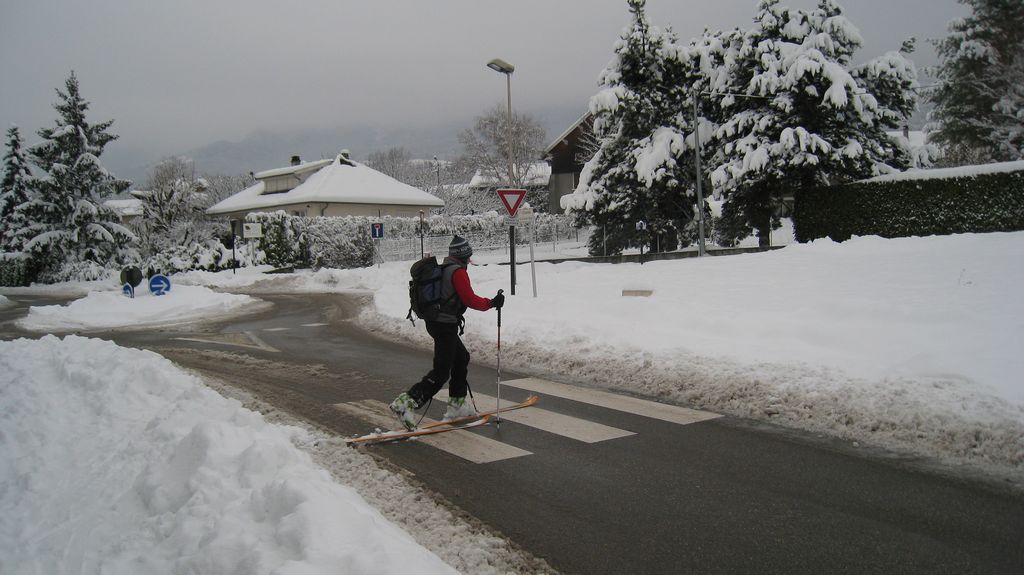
<point>426,298</point>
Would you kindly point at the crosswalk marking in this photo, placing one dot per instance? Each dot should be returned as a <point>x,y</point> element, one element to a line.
<point>567,426</point>
<point>636,406</point>
<point>464,444</point>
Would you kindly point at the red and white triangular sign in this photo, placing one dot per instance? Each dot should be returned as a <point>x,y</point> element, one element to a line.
<point>512,200</point>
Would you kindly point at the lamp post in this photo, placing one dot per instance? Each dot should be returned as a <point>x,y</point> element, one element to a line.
<point>437,166</point>
<point>700,192</point>
<point>503,67</point>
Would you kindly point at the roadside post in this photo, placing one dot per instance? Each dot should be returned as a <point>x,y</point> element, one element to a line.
<point>641,226</point>
<point>423,223</point>
<point>235,228</point>
<point>377,234</point>
<point>512,199</point>
<point>527,218</point>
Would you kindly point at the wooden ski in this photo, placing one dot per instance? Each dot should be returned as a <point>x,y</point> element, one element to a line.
<point>401,434</point>
<point>439,426</point>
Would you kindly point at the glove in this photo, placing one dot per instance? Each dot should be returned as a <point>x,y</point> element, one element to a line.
<point>498,301</point>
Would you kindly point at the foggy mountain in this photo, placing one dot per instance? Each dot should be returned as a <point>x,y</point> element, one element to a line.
<point>264,150</point>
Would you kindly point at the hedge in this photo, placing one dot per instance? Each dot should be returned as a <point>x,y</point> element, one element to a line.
<point>985,202</point>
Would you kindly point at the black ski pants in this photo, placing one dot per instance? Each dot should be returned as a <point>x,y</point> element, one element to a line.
<point>451,360</point>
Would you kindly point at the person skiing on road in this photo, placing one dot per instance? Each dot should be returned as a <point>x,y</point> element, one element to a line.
<point>451,359</point>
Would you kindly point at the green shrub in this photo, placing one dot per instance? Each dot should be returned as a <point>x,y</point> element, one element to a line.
<point>961,203</point>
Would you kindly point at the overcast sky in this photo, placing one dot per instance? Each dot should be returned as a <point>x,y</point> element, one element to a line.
<point>178,75</point>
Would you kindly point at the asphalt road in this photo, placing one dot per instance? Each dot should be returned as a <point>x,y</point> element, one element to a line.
<point>718,496</point>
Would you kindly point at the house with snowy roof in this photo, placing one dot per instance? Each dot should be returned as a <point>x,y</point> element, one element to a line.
<point>127,210</point>
<point>535,182</point>
<point>330,187</point>
<point>566,156</point>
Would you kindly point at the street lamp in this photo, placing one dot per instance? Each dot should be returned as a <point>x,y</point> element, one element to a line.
<point>437,166</point>
<point>700,194</point>
<point>499,65</point>
<point>505,68</point>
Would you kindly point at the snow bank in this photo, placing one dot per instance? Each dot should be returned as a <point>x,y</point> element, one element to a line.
<point>143,469</point>
<point>112,309</point>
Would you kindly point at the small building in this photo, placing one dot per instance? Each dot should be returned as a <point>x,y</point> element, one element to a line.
<point>535,182</point>
<point>127,210</point>
<point>538,176</point>
<point>338,187</point>
<point>566,155</point>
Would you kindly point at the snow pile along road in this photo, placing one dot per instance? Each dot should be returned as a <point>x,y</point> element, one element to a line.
<point>112,309</point>
<point>112,460</point>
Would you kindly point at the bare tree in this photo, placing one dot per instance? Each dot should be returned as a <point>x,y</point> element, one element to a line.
<point>220,186</point>
<point>589,143</point>
<point>394,162</point>
<point>486,145</point>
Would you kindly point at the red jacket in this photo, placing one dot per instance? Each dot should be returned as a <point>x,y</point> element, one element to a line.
<point>460,280</point>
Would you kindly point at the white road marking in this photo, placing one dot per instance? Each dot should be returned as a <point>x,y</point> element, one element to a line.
<point>636,406</point>
<point>464,444</point>
<point>277,329</point>
<point>557,423</point>
<point>314,324</point>
<point>250,341</point>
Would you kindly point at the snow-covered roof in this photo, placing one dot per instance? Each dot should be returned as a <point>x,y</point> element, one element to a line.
<point>565,134</point>
<point>338,181</point>
<point>125,208</point>
<point>960,172</point>
<point>303,167</point>
<point>916,138</point>
<point>538,174</point>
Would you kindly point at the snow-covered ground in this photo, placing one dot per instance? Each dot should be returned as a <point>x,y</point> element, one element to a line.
<point>115,461</point>
<point>909,344</point>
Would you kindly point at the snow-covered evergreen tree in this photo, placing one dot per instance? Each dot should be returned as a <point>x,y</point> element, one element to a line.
<point>979,100</point>
<point>804,116</point>
<point>68,230</point>
<point>13,190</point>
<point>634,176</point>
<point>702,74</point>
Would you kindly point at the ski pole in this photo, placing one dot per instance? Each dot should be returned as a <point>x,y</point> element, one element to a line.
<point>497,415</point>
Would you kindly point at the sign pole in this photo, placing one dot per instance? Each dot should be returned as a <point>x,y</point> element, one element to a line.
<point>527,218</point>
<point>512,256</point>
<point>533,270</point>
<point>421,218</point>
<point>234,240</point>
<point>517,199</point>
<point>377,234</point>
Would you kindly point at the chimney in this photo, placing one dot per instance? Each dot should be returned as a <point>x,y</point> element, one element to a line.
<point>296,161</point>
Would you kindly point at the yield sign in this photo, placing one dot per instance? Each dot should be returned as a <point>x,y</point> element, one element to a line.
<point>512,199</point>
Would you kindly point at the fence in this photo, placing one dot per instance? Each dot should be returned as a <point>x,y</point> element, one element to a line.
<point>551,236</point>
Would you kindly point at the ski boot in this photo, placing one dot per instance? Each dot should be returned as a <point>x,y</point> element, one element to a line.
<point>404,407</point>
<point>458,409</point>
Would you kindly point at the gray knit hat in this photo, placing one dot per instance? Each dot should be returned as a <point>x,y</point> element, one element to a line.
<point>460,248</point>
